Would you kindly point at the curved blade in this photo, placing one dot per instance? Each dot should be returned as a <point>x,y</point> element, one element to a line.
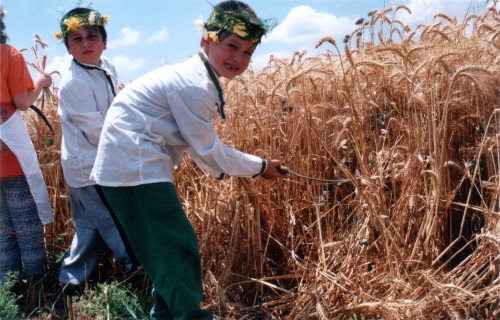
<point>285,170</point>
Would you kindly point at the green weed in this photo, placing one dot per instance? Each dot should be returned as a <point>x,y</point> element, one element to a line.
<point>112,301</point>
<point>8,306</point>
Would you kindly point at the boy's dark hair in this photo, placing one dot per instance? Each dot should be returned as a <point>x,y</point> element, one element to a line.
<point>3,36</point>
<point>233,5</point>
<point>78,11</point>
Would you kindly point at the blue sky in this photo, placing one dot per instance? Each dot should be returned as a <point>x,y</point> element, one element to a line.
<point>143,35</point>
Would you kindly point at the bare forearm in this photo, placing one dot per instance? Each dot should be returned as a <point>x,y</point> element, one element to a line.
<point>25,99</point>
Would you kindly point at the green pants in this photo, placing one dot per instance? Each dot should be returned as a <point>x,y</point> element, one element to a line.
<point>165,244</point>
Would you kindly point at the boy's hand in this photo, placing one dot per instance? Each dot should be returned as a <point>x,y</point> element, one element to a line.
<point>43,80</point>
<point>274,170</point>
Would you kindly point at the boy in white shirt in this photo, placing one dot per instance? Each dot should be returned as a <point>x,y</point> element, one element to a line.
<point>149,126</point>
<point>86,91</point>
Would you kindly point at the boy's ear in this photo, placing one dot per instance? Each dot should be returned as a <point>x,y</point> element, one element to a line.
<point>205,43</point>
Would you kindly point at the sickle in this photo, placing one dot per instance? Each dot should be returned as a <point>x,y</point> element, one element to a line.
<point>285,170</point>
<point>49,141</point>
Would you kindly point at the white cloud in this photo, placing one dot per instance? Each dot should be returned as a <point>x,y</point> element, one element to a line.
<point>124,65</point>
<point>305,24</point>
<point>128,37</point>
<point>423,11</point>
<point>59,63</point>
<point>160,35</point>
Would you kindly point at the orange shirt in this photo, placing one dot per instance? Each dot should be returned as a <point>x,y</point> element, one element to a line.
<point>15,79</point>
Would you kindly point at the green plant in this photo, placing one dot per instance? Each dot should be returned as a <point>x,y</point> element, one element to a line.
<point>111,301</point>
<point>8,306</point>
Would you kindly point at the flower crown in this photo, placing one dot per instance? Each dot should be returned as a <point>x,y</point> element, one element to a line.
<point>72,22</point>
<point>241,22</point>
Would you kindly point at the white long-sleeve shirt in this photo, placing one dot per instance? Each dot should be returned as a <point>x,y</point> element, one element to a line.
<point>157,117</point>
<point>85,94</point>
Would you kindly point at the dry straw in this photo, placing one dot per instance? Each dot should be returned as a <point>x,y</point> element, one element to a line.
<point>412,122</point>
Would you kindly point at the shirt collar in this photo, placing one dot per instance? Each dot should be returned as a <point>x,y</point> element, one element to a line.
<point>110,77</point>
<point>216,82</point>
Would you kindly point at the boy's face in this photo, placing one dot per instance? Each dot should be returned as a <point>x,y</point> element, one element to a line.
<point>86,45</point>
<point>230,57</point>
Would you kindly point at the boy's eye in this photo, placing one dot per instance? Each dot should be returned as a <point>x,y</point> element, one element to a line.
<point>92,37</point>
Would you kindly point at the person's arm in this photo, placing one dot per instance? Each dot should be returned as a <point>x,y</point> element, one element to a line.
<point>193,112</point>
<point>25,99</point>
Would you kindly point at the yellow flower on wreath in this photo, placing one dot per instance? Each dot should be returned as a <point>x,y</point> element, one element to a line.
<point>72,23</point>
<point>105,19</point>
<point>214,36</point>
<point>240,29</point>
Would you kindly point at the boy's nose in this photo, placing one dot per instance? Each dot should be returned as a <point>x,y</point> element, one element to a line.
<point>237,56</point>
<point>86,43</point>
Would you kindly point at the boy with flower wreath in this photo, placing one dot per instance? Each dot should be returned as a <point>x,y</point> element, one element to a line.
<point>149,126</point>
<point>86,91</point>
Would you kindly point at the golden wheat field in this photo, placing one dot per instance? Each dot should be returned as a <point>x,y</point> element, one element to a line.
<point>411,120</point>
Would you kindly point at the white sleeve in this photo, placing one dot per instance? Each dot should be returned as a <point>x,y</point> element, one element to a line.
<point>193,109</point>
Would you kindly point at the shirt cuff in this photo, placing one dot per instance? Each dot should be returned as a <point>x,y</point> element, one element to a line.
<point>222,176</point>
<point>262,170</point>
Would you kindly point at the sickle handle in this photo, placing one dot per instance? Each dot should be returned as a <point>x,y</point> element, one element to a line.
<point>282,170</point>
